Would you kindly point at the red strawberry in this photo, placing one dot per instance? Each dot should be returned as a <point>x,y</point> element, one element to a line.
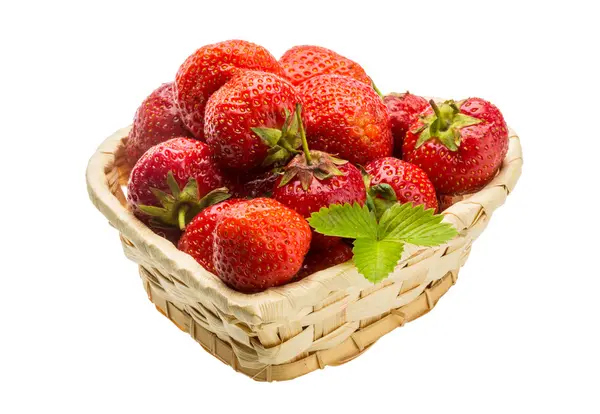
<point>209,68</point>
<point>446,201</point>
<point>317,260</point>
<point>404,109</point>
<point>409,182</point>
<point>314,180</point>
<point>164,169</point>
<point>156,120</point>
<point>304,62</point>
<point>198,238</point>
<point>460,145</point>
<point>172,234</point>
<point>346,117</point>
<point>248,121</point>
<point>258,244</point>
<point>317,185</point>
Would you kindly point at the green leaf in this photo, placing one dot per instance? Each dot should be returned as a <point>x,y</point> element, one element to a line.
<point>172,183</point>
<point>424,137</point>
<point>349,221</point>
<point>270,136</point>
<point>275,155</point>
<point>450,138</point>
<point>376,259</point>
<point>305,178</point>
<point>165,200</point>
<point>393,218</point>
<point>288,175</point>
<point>461,120</point>
<point>382,197</point>
<point>378,246</point>
<point>213,197</point>
<point>190,191</point>
<point>369,203</point>
<point>293,126</point>
<point>286,122</point>
<point>384,191</point>
<point>414,225</point>
<point>153,211</point>
<point>365,176</point>
<point>380,206</point>
<point>338,161</point>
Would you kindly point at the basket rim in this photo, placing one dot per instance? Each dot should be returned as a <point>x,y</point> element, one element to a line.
<point>254,308</point>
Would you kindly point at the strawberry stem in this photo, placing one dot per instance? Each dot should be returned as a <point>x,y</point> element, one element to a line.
<point>181,216</point>
<point>303,134</point>
<point>377,89</point>
<point>445,125</point>
<point>437,112</point>
<point>444,114</point>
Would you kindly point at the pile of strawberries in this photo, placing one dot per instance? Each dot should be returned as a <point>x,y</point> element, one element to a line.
<point>232,159</point>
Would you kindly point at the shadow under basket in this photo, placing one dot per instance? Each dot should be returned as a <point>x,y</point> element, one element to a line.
<point>327,318</point>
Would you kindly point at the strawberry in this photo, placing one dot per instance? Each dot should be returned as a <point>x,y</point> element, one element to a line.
<point>258,244</point>
<point>304,62</point>
<point>404,109</point>
<point>172,234</point>
<point>460,145</point>
<point>164,169</point>
<point>408,182</point>
<point>317,260</point>
<point>446,201</point>
<point>316,179</point>
<point>209,68</point>
<point>345,117</point>
<point>248,122</point>
<point>156,120</point>
<point>198,238</point>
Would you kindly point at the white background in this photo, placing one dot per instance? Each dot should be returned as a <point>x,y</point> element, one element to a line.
<point>518,333</point>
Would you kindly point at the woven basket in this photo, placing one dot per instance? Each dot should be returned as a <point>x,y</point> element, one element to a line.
<point>325,319</point>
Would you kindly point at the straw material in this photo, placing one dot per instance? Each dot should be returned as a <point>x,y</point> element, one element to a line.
<point>327,318</point>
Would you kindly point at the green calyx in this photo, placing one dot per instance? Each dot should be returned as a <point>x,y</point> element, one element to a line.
<point>283,143</point>
<point>182,205</point>
<point>322,166</point>
<point>311,164</point>
<point>445,125</point>
<point>380,197</point>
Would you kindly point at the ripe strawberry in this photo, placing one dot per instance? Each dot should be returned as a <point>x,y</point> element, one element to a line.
<point>409,182</point>
<point>446,201</point>
<point>345,117</point>
<point>258,244</point>
<point>317,260</point>
<point>172,234</point>
<point>248,122</point>
<point>198,238</point>
<point>156,120</point>
<point>315,179</point>
<point>209,68</point>
<point>166,167</point>
<point>304,62</point>
<point>404,109</point>
<point>460,145</point>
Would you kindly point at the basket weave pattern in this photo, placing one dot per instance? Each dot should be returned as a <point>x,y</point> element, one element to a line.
<point>325,319</point>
